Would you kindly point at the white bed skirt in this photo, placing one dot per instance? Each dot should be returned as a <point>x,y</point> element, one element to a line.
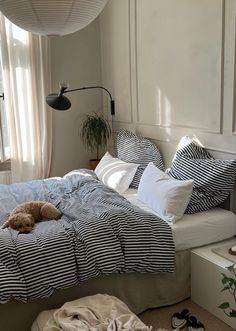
<point>139,291</point>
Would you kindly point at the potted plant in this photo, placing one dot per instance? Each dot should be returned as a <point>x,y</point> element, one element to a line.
<point>95,133</point>
<point>229,284</point>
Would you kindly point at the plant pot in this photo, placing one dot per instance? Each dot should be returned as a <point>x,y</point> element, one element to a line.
<point>93,163</point>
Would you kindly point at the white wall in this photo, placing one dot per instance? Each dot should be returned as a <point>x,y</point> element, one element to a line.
<point>75,59</point>
<point>171,68</point>
<point>169,65</point>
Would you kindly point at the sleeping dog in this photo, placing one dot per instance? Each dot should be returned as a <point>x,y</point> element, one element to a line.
<point>24,216</point>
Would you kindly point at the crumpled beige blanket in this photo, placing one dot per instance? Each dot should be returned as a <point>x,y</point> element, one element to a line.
<point>100,312</point>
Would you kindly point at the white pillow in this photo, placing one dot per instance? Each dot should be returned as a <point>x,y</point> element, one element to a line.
<point>167,196</point>
<point>115,173</point>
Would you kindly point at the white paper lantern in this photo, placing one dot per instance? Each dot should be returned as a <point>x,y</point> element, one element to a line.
<point>51,17</point>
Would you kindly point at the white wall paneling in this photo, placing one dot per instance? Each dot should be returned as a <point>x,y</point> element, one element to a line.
<point>115,45</point>
<point>171,66</point>
<point>176,63</point>
<point>179,63</point>
<point>234,84</point>
<point>182,56</point>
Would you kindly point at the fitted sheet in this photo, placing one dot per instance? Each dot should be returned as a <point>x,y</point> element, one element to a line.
<point>195,230</point>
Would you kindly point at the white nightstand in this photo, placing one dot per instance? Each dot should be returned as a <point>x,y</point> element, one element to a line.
<point>206,286</point>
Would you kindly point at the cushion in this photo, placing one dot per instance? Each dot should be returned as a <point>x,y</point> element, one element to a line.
<point>115,173</point>
<point>192,148</point>
<point>213,179</point>
<point>167,196</point>
<point>137,149</point>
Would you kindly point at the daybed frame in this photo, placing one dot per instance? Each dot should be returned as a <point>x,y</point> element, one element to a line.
<point>139,291</point>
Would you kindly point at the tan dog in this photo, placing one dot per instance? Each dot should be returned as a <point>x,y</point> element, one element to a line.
<point>25,215</point>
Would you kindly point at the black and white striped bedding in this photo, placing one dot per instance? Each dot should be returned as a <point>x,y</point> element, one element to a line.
<point>213,179</point>
<point>134,148</point>
<point>100,232</point>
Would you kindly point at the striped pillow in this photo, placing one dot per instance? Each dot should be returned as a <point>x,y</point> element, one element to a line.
<point>137,149</point>
<point>191,148</point>
<point>213,179</point>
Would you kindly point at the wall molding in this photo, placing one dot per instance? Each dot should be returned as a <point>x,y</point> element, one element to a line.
<point>130,61</point>
<point>222,139</point>
<point>234,85</point>
<point>130,121</point>
<point>223,20</point>
<point>180,126</point>
<point>219,131</point>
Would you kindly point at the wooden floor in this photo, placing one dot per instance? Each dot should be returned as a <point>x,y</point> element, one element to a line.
<point>161,317</point>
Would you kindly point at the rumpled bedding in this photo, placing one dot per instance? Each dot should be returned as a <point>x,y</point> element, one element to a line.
<point>99,232</point>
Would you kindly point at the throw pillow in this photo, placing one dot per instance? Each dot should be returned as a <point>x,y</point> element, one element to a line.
<point>213,179</point>
<point>167,196</point>
<point>115,173</point>
<point>137,149</point>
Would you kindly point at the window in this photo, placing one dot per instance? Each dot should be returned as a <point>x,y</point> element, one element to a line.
<point>25,77</point>
<point>4,128</point>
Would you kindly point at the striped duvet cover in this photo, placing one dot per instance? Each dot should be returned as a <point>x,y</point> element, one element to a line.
<point>99,232</point>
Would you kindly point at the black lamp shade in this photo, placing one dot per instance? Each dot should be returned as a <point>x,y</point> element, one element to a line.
<point>58,102</point>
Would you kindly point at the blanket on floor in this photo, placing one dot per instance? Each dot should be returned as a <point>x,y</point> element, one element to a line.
<point>98,312</point>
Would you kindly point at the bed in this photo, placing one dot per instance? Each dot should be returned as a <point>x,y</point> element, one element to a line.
<point>132,253</point>
<point>138,288</point>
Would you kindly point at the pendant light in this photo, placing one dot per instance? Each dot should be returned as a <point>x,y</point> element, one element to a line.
<point>51,17</point>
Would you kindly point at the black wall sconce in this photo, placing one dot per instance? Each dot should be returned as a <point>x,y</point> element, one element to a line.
<point>61,102</point>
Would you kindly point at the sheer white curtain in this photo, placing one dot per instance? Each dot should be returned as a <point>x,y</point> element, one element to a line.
<point>26,78</point>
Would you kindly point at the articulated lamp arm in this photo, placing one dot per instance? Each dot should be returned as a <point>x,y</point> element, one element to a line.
<point>60,102</point>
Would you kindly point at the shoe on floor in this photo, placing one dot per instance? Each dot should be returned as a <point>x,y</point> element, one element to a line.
<point>179,320</point>
<point>194,325</point>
